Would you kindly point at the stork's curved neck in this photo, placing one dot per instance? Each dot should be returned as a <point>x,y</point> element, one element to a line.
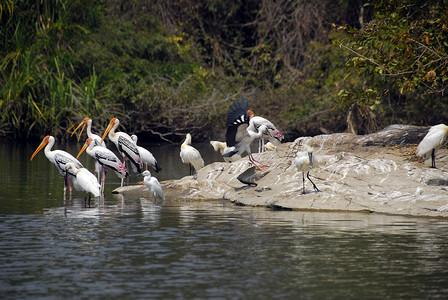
<point>112,131</point>
<point>48,147</point>
<point>89,129</point>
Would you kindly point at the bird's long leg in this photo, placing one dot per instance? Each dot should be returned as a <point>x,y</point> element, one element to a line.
<point>303,183</point>
<point>433,158</point>
<point>191,169</point>
<point>65,185</point>
<point>256,163</point>
<point>314,186</point>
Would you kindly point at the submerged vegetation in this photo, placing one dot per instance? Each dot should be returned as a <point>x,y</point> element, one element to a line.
<point>171,67</point>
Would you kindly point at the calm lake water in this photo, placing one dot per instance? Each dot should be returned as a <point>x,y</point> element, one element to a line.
<point>133,248</point>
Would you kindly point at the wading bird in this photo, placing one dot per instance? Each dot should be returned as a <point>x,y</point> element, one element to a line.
<point>432,141</point>
<point>59,158</point>
<point>147,157</point>
<point>153,186</point>
<point>85,181</point>
<point>191,155</point>
<point>124,144</point>
<point>271,132</point>
<point>105,158</point>
<point>223,149</point>
<point>304,162</point>
<point>241,132</point>
<point>88,122</point>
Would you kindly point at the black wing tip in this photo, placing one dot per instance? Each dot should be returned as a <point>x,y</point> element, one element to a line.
<point>238,108</point>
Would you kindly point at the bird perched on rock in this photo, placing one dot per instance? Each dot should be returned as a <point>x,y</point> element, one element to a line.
<point>432,141</point>
<point>223,149</point>
<point>147,157</point>
<point>304,162</point>
<point>191,155</point>
<point>241,132</point>
<point>153,186</point>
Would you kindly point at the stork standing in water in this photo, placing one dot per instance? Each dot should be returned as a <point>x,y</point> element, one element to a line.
<point>433,140</point>
<point>241,131</point>
<point>85,181</point>
<point>153,186</point>
<point>59,158</point>
<point>223,149</point>
<point>124,144</point>
<point>147,157</point>
<point>87,122</point>
<point>304,162</point>
<point>105,158</point>
<point>191,155</point>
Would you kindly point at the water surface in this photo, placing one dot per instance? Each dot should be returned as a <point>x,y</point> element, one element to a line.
<point>131,248</point>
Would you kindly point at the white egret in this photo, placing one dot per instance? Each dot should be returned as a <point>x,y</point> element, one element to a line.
<point>153,186</point>
<point>85,180</point>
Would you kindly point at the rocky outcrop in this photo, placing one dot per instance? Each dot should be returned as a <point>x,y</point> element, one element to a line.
<point>370,173</point>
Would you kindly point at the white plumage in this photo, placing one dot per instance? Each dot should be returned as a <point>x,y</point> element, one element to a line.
<point>432,141</point>
<point>147,157</point>
<point>153,186</point>
<point>85,180</point>
<point>191,155</point>
<point>223,149</point>
<point>124,143</point>
<point>58,157</point>
<point>304,162</point>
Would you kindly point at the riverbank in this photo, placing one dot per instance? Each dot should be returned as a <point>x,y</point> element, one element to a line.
<point>371,173</point>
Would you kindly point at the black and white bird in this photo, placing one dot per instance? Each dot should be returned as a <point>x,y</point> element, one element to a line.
<point>242,130</point>
<point>105,158</point>
<point>125,145</point>
<point>304,162</point>
<point>59,158</point>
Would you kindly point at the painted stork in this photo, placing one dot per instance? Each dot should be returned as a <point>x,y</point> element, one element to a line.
<point>105,158</point>
<point>85,181</point>
<point>59,158</point>
<point>124,144</point>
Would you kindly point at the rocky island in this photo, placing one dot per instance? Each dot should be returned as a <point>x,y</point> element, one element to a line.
<point>375,173</point>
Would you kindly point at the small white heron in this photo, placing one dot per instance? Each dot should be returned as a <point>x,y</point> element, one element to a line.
<point>432,141</point>
<point>304,162</point>
<point>153,186</point>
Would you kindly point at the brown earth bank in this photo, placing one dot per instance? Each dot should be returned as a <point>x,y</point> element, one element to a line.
<point>361,173</point>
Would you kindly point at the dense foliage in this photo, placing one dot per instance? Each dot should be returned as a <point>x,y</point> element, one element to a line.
<point>170,67</point>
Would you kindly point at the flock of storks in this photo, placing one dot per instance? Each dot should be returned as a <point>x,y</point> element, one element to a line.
<point>242,129</point>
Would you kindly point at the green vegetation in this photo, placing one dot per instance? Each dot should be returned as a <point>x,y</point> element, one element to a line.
<point>170,67</point>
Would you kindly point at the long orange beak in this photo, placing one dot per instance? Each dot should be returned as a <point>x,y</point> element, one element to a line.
<point>83,122</point>
<point>84,147</point>
<point>42,145</point>
<point>109,127</point>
